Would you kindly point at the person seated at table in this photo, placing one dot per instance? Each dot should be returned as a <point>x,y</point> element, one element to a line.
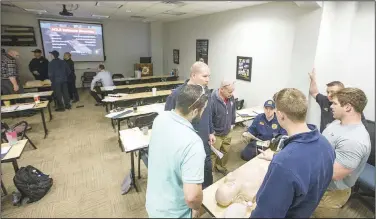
<point>105,78</point>
<point>264,127</point>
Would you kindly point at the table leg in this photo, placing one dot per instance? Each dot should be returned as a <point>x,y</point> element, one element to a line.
<point>44,123</point>
<point>49,110</point>
<point>118,127</point>
<point>139,162</point>
<point>15,165</point>
<point>3,188</point>
<point>106,107</point>
<point>132,172</point>
<point>120,144</point>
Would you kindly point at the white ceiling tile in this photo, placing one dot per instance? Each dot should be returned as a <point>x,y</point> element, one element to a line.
<point>29,5</point>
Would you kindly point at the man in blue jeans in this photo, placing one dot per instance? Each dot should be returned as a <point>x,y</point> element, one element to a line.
<point>200,74</point>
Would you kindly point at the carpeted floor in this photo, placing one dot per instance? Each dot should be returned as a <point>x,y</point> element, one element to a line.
<point>82,156</point>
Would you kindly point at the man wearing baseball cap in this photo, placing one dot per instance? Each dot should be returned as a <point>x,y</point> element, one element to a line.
<point>264,127</point>
<point>58,72</point>
<point>38,66</point>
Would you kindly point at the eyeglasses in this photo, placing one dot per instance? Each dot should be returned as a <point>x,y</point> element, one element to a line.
<point>202,94</point>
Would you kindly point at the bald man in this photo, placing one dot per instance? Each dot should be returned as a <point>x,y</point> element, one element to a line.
<point>200,75</point>
<point>10,73</point>
<point>223,117</point>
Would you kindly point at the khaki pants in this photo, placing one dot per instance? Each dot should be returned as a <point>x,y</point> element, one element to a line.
<point>222,144</point>
<point>331,203</point>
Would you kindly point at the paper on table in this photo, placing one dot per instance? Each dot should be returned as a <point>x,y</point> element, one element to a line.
<point>110,99</point>
<point>216,152</point>
<point>133,139</point>
<point>8,108</point>
<point>5,149</point>
<point>109,88</point>
<point>158,107</point>
<point>26,106</point>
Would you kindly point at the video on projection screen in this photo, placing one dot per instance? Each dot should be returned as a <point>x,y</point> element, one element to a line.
<point>83,40</point>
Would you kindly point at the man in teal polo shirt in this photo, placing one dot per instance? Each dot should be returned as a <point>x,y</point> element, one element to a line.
<point>176,158</point>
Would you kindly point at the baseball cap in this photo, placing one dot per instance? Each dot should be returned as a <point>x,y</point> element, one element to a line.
<point>269,103</point>
<point>37,51</point>
<point>55,53</point>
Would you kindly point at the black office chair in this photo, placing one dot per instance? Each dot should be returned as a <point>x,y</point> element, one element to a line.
<point>365,186</point>
<point>87,78</point>
<point>20,129</point>
<point>239,104</point>
<point>117,76</point>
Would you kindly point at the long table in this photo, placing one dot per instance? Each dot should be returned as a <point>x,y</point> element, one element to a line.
<point>252,172</point>
<point>148,78</point>
<point>39,107</point>
<point>136,96</point>
<point>133,140</point>
<point>37,84</point>
<point>247,114</point>
<point>135,86</point>
<point>26,95</point>
<point>13,154</point>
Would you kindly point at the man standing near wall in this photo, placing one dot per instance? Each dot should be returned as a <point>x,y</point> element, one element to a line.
<point>38,66</point>
<point>200,74</point>
<point>325,101</point>
<point>223,117</point>
<point>352,146</point>
<point>58,72</point>
<point>10,83</point>
<point>73,94</point>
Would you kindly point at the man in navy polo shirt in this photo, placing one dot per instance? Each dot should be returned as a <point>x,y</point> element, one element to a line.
<point>299,174</point>
<point>264,127</point>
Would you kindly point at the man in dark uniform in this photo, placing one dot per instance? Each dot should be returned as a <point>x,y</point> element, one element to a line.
<point>71,79</point>
<point>264,127</point>
<point>326,101</point>
<point>38,66</point>
<point>58,71</point>
<point>200,74</point>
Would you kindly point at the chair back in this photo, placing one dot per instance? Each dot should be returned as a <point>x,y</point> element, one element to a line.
<point>143,120</point>
<point>89,75</point>
<point>370,126</point>
<point>117,76</point>
<point>239,104</point>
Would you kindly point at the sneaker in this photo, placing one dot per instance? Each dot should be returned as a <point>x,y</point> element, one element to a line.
<point>60,110</point>
<point>74,101</point>
<point>68,107</point>
<point>99,104</point>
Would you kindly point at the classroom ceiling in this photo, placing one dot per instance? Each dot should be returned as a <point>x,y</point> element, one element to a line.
<point>146,11</point>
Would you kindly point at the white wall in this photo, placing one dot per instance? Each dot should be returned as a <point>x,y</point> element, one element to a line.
<point>156,44</point>
<point>346,51</point>
<point>264,32</point>
<point>124,41</point>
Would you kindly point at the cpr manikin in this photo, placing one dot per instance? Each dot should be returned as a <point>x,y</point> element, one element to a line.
<point>238,196</point>
<point>238,193</point>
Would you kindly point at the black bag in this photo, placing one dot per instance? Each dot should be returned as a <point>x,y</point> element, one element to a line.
<point>32,183</point>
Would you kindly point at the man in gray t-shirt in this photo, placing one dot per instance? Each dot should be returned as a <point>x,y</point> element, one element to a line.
<point>352,146</point>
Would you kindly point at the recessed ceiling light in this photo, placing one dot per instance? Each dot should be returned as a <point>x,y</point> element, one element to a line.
<point>228,1</point>
<point>109,4</point>
<point>100,16</point>
<point>128,11</point>
<point>35,10</point>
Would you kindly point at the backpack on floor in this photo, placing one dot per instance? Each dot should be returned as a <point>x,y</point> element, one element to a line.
<point>127,183</point>
<point>32,183</point>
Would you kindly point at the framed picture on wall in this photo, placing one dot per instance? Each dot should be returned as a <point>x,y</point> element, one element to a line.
<point>175,55</point>
<point>243,68</point>
<point>202,50</point>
